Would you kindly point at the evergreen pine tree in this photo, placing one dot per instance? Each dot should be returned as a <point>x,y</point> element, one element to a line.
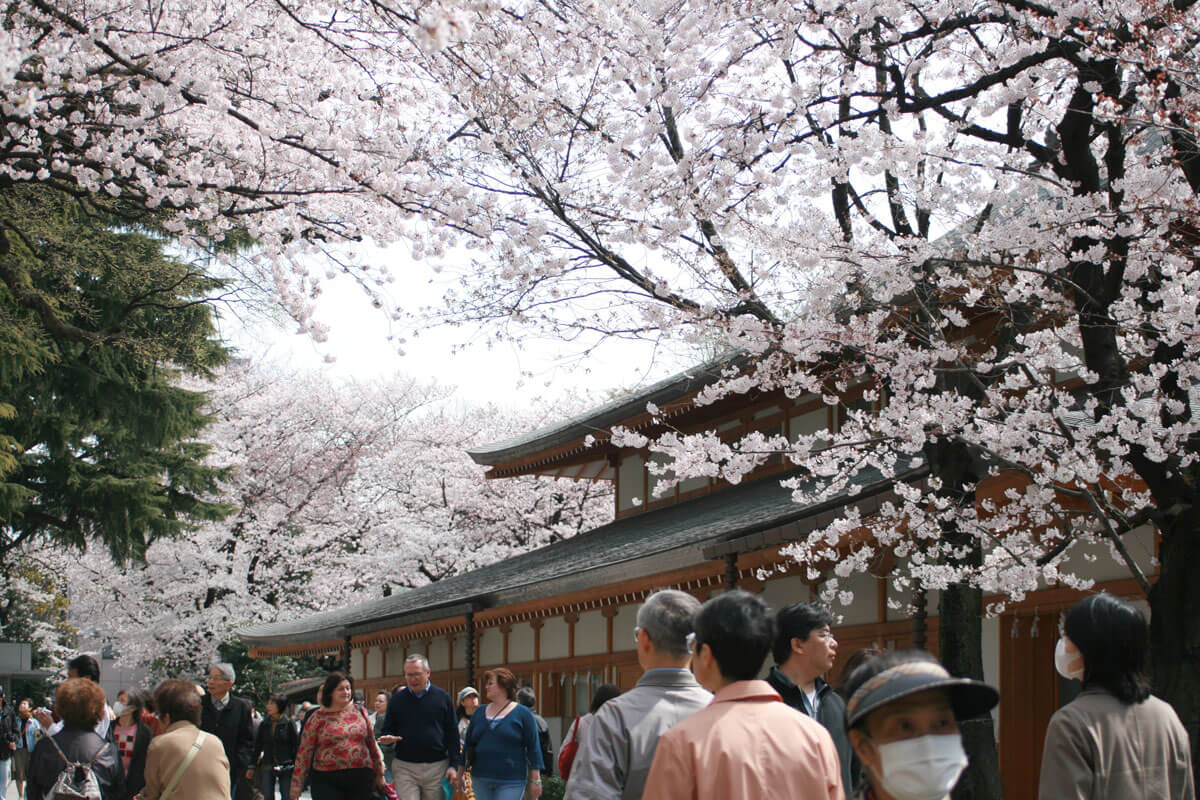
<point>98,323</point>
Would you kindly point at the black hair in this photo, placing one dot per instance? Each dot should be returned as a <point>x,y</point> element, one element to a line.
<point>604,693</point>
<point>526,697</point>
<point>148,700</point>
<point>325,696</point>
<point>739,629</point>
<point>1112,635</point>
<point>877,664</point>
<point>134,697</point>
<point>797,621</point>
<point>85,666</point>
<point>280,701</point>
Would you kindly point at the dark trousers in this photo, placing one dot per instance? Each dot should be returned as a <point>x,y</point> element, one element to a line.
<point>343,784</point>
<point>269,779</point>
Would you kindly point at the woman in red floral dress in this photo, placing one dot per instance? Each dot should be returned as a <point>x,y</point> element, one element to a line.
<point>338,749</point>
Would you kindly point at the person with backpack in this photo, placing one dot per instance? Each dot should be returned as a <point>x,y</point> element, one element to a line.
<point>76,759</point>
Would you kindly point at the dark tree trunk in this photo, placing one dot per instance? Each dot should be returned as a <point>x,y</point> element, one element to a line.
<point>961,640</point>
<point>1175,626</point>
<point>960,629</point>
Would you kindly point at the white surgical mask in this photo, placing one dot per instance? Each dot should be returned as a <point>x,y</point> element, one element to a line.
<point>924,768</point>
<point>119,708</point>
<point>1063,661</point>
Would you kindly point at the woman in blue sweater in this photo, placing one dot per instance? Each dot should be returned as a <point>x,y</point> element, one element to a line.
<point>502,743</point>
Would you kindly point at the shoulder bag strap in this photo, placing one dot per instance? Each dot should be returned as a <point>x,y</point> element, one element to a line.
<point>59,749</point>
<point>187,762</point>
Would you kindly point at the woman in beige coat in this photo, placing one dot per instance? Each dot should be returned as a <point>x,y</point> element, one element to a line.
<point>1115,740</point>
<point>207,777</point>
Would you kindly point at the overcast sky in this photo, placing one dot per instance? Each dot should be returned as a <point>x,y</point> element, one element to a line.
<point>363,344</point>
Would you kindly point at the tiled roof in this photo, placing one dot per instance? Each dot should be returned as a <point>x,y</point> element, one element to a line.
<point>644,544</point>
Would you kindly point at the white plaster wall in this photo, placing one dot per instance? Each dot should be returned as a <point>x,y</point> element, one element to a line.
<point>808,424</point>
<point>375,662</point>
<point>554,638</point>
<point>356,662</point>
<point>991,661</point>
<point>905,599</point>
<point>783,591</point>
<point>623,625</point>
<point>864,610</point>
<point>460,651</point>
<point>491,646</point>
<point>438,655</point>
<point>766,412</point>
<point>1106,565</point>
<point>520,644</point>
<point>629,481</point>
<point>395,660</point>
<point>591,634</point>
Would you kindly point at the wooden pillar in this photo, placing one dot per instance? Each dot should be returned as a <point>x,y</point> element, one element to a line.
<point>609,613</point>
<point>537,625</point>
<point>731,571</point>
<point>920,614</point>
<point>450,637</point>
<point>571,619</point>
<point>881,589</point>
<point>472,646</point>
<point>383,651</point>
<point>505,630</point>
<point>346,654</point>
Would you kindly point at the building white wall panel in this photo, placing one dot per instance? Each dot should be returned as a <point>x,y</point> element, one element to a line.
<point>491,647</point>
<point>591,634</point>
<point>520,644</point>
<point>554,638</point>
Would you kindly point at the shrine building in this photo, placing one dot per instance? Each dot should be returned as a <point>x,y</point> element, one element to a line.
<point>562,617</point>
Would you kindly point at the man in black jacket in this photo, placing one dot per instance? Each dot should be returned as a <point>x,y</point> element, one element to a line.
<point>229,719</point>
<point>804,650</point>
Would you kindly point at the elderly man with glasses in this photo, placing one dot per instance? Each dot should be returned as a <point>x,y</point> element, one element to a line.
<point>617,748</point>
<point>229,719</point>
<point>420,722</point>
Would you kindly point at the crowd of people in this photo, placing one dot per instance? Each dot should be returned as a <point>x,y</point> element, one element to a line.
<point>699,724</point>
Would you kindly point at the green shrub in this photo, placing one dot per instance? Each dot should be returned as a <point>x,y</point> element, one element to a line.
<point>553,788</point>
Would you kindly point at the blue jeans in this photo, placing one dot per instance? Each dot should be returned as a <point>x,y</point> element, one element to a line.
<point>4,765</point>
<point>491,789</point>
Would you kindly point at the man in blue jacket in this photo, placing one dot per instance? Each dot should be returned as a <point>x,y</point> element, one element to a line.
<point>420,722</point>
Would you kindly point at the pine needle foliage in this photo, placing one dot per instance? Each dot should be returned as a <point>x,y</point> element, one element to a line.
<point>98,323</point>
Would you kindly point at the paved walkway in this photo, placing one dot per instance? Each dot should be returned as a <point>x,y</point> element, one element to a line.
<point>12,793</point>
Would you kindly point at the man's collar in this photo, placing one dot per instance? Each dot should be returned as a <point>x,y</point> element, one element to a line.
<point>739,691</point>
<point>668,676</point>
<point>781,677</point>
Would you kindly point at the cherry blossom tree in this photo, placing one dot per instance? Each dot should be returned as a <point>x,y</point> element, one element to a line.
<point>977,216</point>
<point>341,493</point>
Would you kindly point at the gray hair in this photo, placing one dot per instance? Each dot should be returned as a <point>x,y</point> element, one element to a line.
<point>226,669</point>
<point>666,617</point>
<point>417,657</point>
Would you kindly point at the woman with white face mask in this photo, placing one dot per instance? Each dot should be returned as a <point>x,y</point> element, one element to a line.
<point>903,713</point>
<point>1114,740</point>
